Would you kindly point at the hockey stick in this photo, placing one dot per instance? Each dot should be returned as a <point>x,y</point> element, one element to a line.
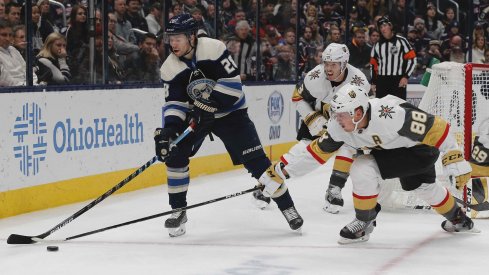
<point>21,239</point>
<point>162,214</point>
<point>477,207</point>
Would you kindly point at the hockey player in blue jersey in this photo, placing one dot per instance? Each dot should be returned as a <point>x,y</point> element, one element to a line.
<point>202,82</point>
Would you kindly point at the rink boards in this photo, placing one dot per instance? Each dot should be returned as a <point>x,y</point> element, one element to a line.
<point>58,148</point>
<point>63,147</point>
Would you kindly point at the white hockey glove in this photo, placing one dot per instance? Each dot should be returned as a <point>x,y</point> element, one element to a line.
<point>272,179</point>
<point>455,165</point>
<point>316,123</point>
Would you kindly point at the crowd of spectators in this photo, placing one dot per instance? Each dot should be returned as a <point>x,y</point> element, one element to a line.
<point>136,50</point>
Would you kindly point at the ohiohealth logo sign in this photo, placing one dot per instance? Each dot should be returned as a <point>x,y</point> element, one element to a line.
<point>30,132</point>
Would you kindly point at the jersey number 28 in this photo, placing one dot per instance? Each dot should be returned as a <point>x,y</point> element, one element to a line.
<point>229,64</point>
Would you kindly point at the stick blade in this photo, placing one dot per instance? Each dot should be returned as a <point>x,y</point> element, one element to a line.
<point>19,239</point>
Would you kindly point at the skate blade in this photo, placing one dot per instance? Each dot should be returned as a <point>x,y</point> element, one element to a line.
<point>298,231</point>
<point>332,209</point>
<point>350,241</point>
<point>471,231</point>
<point>178,231</point>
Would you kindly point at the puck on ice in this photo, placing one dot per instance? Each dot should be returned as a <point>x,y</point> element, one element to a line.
<point>52,248</point>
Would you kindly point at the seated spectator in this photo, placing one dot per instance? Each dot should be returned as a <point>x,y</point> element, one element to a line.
<point>239,15</point>
<point>359,50</point>
<point>2,10</point>
<point>422,35</point>
<point>12,13</point>
<point>51,61</point>
<point>334,36</point>
<point>153,18</point>
<point>144,66</point>
<point>10,57</point>
<point>434,26</point>
<point>307,51</point>
<point>133,15</point>
<point>205,28</point>
<point>486,56</point>
<point>284,69</point>
<point>19,41</point>
<point>122,47</point>
<point>453,50</point>
<point>451,30</point>
<point>41,28</point>
<point>247,49</point>
<point>478,49</point>
<point>77,43</point>
<point>48,17</point>
<point>373,36</point>
<point>448,16</point>
<point>116,73</point>
<point>123,26</point>
<point>363,12</point>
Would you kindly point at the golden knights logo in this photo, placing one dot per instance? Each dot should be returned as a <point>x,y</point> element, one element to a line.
<point>385,111</point>
<point>356,80</point>
<point>352,94</point>
<point>314,74</point>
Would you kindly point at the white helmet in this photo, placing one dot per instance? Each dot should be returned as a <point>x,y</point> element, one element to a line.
<point>348,98</point>
<point>336,53</point>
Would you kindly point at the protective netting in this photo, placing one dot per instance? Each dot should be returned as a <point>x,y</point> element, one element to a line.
<point>446,96</point>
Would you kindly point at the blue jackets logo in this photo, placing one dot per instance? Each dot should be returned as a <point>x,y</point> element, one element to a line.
<point>31,134</point>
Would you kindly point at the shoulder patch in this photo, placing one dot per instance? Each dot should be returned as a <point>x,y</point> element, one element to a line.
<point>171,68</point>
<point>356,80</point>
<point>314,74</point>
<point>209,49</point>
<point>386,111</point>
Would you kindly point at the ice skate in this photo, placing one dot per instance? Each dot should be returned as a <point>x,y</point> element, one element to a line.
<point>260,200</point>
<point>334,200</point>
<point>461,224</point>
<point>176,224</point>
<point>356,231</point>
<point>293,218</point>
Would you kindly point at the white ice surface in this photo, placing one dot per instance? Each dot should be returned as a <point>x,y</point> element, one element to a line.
<point>234,237</point>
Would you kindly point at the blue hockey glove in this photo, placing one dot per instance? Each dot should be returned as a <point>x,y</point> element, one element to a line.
<point>163,138</point>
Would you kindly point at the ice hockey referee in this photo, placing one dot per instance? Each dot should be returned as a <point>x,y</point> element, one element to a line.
<point>393,61</point>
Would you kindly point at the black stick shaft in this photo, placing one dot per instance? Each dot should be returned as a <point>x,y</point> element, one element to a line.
<point>477,207</point>
<point>162,214</point>
<point>20,239</point>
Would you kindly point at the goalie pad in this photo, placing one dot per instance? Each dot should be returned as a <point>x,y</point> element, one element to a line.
<point>316,123</point>
<point>455,165</point>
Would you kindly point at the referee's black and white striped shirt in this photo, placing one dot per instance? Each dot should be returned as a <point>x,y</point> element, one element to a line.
<point>392,57</point>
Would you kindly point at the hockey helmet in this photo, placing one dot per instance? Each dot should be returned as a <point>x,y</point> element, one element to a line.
<point>336,53</point>
<point>182,23</point>
<point>384,20</point>
<point>348,98</point>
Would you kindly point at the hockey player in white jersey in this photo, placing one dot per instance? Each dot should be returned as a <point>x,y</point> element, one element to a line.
<point>479,161</point>
<point>397,140</point>
<point>201,82</point>
<point>311,99</point>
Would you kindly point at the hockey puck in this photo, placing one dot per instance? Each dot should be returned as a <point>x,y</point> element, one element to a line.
<point>52,248</point>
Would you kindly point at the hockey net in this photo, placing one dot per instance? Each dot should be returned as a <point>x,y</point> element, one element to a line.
<point>460,94</point>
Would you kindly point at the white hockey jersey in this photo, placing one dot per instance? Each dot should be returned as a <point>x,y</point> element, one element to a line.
<point>393,123</point>
<point>315,92</point>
